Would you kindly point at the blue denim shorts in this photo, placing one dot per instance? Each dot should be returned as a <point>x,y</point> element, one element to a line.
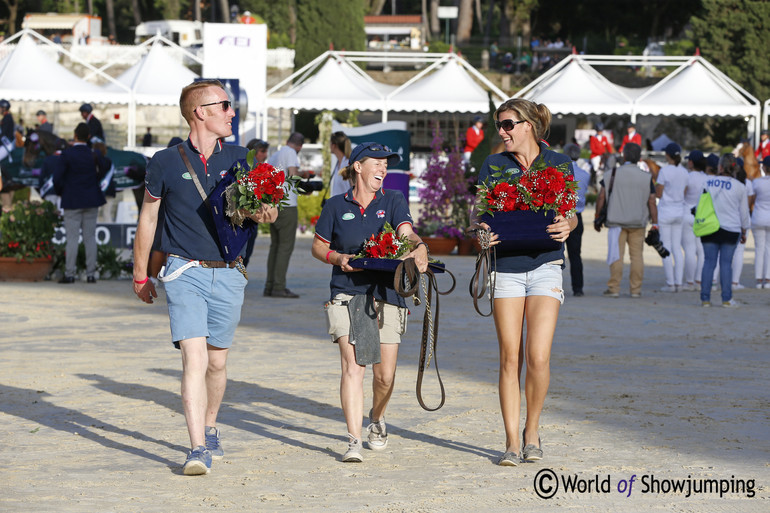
<point>204,302</point>
<point>543,281</point>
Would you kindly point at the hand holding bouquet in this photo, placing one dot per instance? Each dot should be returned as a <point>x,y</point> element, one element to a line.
<point>256,186</point>
<point>386,244</point>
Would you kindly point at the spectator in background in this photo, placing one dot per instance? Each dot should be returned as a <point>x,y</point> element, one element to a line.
<point>760,226</point>
<point>260,147</point>
<point>693,250</point>
<point>473,136</point>
<point>283,232</point>
<point>147,139</point>
<point>494,51</point>
<point>340,147</point>
<point>763,151</point>
<point>574,242</point>
<point>732,209</point>
<point>43,124</point>
<point>76,180</point>
<point>631,136</point>
<point>94,125</point>
<point>600,148</point>
<point>630,206</point>
<point>670,187</point>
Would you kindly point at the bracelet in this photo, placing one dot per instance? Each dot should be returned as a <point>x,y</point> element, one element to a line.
<point>141,282</point>
<point>327,256</point>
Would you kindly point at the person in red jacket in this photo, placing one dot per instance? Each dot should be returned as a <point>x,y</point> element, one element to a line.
<point>473,136</point>
<point>600,146</point>
<point>764,145</point>
<point>631,137</point>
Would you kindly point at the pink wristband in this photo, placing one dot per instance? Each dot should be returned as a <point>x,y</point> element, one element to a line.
<point>327,256</point>
<point>142,282</point>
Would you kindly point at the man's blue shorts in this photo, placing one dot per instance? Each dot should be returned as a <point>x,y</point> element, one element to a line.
<point>204,302</point>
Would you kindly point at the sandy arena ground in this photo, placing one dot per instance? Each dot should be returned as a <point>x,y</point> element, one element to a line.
<point>642,390</point>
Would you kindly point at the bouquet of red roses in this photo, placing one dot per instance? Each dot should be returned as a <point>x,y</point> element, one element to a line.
<point>256,185</point>
<point>542,187</point>
<point>386,244</point>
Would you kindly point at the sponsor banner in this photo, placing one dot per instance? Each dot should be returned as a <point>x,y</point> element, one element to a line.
<point>120,236</point>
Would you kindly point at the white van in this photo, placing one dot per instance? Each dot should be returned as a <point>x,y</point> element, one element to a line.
<point>182,32</point>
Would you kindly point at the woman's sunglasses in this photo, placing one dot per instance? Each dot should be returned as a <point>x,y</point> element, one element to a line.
<point>225,105</point>
<point>507,124</point>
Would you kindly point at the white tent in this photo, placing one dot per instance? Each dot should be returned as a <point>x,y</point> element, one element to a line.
<point>694,88</point>
<point>340,84</point>
<point>157,79</point>
<point>28,74</point>
<point>337,85</point>
<point>448,88</point>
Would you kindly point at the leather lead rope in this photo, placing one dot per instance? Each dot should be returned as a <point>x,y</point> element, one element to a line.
<point>483,274</point>
<point>407,283</point>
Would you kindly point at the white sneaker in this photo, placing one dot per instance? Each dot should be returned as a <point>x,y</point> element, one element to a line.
<point>759,285</point>
<point>378,434</point>
<point>668,288</point>
<point>353,454</point>
<point>731,304</point>
<point>688,287</point>
<point>738,286</point>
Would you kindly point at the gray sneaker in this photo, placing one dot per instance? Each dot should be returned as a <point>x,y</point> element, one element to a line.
<point>378,434</point>
<point>353,454</point>
<point>213,445</point>
<point>509,459</point>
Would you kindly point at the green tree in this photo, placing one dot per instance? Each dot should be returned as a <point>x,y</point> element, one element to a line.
<point>733,36</point>
<point>325,23</point>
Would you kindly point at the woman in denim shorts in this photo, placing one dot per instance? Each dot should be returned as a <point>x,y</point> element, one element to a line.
<point>528,285</point>
<point>346,221</point>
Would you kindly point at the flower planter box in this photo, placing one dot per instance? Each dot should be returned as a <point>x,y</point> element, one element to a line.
<point>522,231</point>
<point>440,245</point>
<point>13,270</point>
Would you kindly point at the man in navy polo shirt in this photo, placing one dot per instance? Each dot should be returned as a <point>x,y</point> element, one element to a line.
<point>204,292</point>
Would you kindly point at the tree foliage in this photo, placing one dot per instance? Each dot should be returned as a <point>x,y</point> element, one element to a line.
<point>732,35</point>
<point>325,23</point>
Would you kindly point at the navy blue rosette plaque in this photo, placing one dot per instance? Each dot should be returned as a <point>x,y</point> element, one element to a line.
<point>232,238</point>
<point>522,230</point>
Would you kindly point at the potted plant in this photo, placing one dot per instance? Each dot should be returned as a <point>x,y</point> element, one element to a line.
<point>446,198</point>
<point>26,249</point>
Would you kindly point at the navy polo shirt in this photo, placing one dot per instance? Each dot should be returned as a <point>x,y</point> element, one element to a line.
<point>189,230</point>
<point>521,261</point>
<point>345,228</point>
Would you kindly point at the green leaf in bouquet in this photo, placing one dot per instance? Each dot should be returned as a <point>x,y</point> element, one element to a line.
<point>251,158</point>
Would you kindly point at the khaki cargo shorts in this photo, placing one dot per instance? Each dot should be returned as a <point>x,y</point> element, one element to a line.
<point>391,319</point>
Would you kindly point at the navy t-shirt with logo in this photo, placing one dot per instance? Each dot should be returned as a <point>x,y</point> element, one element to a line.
<point>188,229</point>
<point>345,227</point>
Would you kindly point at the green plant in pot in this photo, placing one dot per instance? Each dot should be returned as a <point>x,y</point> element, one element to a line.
<point>27,229</point>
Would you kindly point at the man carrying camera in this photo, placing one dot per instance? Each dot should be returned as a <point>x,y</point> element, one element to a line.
<point>630,204</point>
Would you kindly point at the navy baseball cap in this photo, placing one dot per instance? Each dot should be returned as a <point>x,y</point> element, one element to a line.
<point>712,160</point>
<point>673,149</point>
<point>766,162</point>
<point>695,156</point>
<point>375,151</point>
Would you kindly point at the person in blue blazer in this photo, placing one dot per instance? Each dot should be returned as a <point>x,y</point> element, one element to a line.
<point>76,180</point>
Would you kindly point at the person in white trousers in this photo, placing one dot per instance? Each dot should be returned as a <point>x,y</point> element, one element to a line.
<point>669,188</point>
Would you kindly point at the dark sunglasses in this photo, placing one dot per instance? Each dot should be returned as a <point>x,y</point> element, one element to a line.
<point>378,147</point>
<point>225,105</point>
<point>507,124</point>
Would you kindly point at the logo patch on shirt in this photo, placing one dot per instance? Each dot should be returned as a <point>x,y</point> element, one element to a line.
<point>222,173</point>
<point>348,216</point>
<point>187,176</point>
<point>380,214</point>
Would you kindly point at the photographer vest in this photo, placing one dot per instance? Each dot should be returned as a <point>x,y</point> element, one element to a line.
<point>627,205</point>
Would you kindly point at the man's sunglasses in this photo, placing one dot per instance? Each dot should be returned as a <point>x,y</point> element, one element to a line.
<point>378,147</point>
<point>507,124</point>
<point>225,105</point>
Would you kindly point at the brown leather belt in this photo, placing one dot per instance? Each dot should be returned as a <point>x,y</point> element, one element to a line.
<point>215,264</point>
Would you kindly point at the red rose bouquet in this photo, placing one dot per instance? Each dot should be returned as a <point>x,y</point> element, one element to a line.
<point>542,187</point>
<point>256,185</point>
<point>386,244</point>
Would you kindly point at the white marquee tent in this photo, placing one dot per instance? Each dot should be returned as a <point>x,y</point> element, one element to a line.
<point>695,88</point>
<point>157,79</point>
<point>446,85</point>
<point>28,74</point>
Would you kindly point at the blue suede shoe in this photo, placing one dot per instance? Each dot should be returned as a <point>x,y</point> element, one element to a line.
<point>213,444</point>
<point>198,462</point>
